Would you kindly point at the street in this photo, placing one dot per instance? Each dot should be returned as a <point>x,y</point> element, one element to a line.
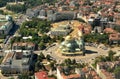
<point>91,54</point>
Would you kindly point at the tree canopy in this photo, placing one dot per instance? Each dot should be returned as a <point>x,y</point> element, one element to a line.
<point>95,37</point>
<point>38,30</point>
<point>17,8</point>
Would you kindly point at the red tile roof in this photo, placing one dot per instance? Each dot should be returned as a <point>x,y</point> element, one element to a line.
<point>41,75</point>
<point>115,36</point>
<point>72,76</point>
<point>96,77</point>
<point>85,30</point>
<point>85,69</point>
<point>107,74</point>
<point>109,30</point>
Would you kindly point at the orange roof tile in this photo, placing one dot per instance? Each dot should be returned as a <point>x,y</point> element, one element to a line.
<point>71,76</point>
<point>115,36</point>
<point>109,30</point>
<point>41,75</point>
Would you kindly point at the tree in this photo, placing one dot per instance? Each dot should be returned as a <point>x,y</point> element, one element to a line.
<point>117,28</point>
<point>111,55</point>
<point>1,12</point>
<point>11,78</point>
<point>117,72</point>
<point>48,57</point>
<point>16,8</point>
<point>52,65</point>
<point>37,66</point>
<point>2,3</point>
<point>60,38</point>
<point>45,38</point>
<point>74,61</point>
<point>39,58</point>
<point>111,18</point>
<point>42,46</point>
<point>42,55</point>
<point>101,58</point>
<point>67,61</point>
<point>24,76</point>
<point>95,37</point>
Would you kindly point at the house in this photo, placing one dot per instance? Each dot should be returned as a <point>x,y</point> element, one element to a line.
<point>64,15</point>
<point>23,46</point>
<point>114,38</point>
<point>90,21</point>
<point>83,73</point>
<point>45,13</point>
<point>88,72</point>
<point>85,30</point>
<point>103,22</point>
<point>63,8</point>
<point>97,29</point>
<point>32,12</point>
<point>117,8</point>
<point>91,18</point>
<point>61,30</point>
<point>61,75</point>
<point>102,69</point>
<point>42,75</point>
<point>109,30</point>
<point>117,18</point>
<point>50,12</point>
<point>6,24</point>
<point>5,29</point>
<point>17,62</point>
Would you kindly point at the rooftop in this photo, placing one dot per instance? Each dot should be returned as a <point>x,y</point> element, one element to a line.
<point>109,30</point>
<point>72,76</point>
<point>23,44</point>
<point>107,74</point>
<point>115,36</point>
<point>104,65</point>
<point>16,59</point>
<point>42,75</point>
<point>7,58</point>
<point>2,23</point>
